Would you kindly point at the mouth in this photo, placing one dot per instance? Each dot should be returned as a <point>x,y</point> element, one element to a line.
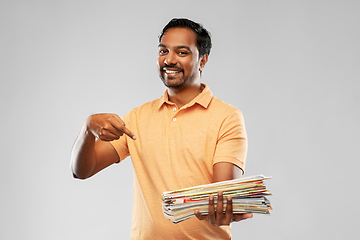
<point>172,72</point>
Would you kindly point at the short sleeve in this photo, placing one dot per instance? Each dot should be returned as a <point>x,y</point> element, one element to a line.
<point>121,145</point>
<point>232,141</point>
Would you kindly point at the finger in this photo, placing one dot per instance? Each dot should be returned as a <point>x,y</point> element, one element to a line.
<point>220,207</point>
<point>229,210</point>
<point>211,217</point>
<point>247,215</point>
<point>242,216</point>
<point>128,132</point>
<point>200,216</point>
<point>107,135</point>
<point>120,126</point>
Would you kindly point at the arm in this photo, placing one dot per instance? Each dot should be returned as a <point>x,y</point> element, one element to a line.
<point>226,171</point>
<point>232,143</point>
<point>92,150</point>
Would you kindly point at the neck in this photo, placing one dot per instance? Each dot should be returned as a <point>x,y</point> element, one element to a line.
<point>182,97</point>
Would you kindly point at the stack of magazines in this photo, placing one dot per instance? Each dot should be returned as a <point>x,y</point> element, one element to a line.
<point>248,196</point>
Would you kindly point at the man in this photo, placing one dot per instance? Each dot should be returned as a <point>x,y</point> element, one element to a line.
<point>185,138</point>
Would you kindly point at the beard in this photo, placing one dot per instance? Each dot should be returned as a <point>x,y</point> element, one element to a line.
<point>177,83</point>
<point>174,84</point>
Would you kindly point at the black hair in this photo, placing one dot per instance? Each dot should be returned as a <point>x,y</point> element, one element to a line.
<point>203,39</point>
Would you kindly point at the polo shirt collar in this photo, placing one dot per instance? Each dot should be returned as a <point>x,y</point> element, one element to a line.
<point>202,99</point>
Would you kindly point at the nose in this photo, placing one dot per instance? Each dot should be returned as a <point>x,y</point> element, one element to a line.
<point>170,58</point>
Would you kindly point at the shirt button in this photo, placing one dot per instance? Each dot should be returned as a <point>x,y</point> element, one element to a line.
<point>174,119</point>
<point>174,109</point>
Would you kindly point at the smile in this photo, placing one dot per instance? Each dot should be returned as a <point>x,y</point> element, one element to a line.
<point>171,71</point>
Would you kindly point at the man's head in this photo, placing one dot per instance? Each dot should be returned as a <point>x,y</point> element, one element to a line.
<point>203,39</point>
<point>184,47</point>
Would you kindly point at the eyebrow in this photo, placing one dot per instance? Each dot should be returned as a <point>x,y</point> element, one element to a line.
<point>177,47</point>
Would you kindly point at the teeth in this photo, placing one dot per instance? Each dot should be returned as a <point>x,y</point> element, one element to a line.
<point>169,71</point>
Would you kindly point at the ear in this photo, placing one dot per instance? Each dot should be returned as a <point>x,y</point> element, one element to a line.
<point>203,61</point>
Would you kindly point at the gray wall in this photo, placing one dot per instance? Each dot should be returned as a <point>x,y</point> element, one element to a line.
<point>292,67</point>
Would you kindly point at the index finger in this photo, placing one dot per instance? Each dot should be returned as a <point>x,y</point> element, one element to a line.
<point>128,132</point>
<point>122,127</point>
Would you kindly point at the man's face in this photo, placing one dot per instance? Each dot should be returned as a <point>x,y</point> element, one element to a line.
<point>178,61</point>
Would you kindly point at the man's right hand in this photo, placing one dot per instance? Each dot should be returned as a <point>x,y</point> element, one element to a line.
<point>107,127</point>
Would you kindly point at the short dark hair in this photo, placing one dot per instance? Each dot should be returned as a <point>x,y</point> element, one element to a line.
<point>203,39</point>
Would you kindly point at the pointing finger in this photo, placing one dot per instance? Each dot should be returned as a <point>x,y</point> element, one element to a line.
<point>128,132</point>
<point>120,125</point>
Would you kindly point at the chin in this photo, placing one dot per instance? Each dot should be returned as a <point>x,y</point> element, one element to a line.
<point>169,83</point>
<point>174,86</point>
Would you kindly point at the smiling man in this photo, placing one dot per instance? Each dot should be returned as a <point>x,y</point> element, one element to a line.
<point>180,64</point>
<point>185,138</point>
<point>179,61</point>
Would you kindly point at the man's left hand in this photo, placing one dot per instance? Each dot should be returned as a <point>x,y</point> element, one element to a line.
<point>218,217</point>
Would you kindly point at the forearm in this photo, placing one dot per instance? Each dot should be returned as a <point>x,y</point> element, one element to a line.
<point>83,156</point>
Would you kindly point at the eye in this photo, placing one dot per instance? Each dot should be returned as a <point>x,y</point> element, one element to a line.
<point>162,51</point>
<point>182,53</point>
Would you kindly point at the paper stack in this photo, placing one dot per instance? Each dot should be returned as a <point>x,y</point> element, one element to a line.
<point>248,196</point>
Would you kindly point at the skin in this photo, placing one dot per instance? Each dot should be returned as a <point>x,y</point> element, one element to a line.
<point>178,52</point>
<point>179,66</point>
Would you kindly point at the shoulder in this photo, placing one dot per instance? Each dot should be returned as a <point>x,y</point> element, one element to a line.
<point>146,108</point>
<point>223,108</point>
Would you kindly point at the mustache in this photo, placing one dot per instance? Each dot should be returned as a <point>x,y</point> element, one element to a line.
<point>171,66</point>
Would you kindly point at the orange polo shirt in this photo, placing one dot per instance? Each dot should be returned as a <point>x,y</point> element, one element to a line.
<point>177,148</point>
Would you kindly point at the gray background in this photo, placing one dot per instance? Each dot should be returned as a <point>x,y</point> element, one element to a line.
<point>292,67</point>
